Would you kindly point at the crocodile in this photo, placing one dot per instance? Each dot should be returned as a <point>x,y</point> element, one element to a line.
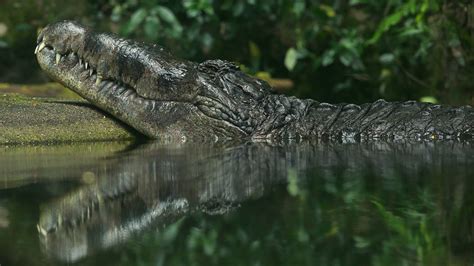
<point>164,97</point>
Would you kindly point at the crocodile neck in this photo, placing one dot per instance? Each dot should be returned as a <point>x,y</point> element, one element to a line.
<point>293,118</point>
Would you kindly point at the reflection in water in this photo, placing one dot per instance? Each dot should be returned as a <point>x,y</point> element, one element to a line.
<point>156,184</point>
<point>4,222</point>
<point>22,165</point>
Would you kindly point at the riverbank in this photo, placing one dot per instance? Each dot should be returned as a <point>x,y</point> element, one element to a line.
<point>31,120</point>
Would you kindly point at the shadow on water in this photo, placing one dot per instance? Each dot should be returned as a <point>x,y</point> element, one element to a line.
<point>238,204</point>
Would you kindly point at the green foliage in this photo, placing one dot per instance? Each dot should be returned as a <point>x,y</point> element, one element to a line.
<point>355,50</point>
<point>407,10</point>
<point>349,50</point>
<point>149,19</point>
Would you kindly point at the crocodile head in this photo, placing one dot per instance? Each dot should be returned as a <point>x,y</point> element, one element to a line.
<point>147,88</point>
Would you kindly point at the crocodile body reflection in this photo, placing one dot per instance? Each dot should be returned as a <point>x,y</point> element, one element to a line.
<point>157,184</point>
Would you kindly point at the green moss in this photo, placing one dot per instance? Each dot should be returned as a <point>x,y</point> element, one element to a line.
<point>51,89</point>
<point>46,120</point>
<point>14,99</point>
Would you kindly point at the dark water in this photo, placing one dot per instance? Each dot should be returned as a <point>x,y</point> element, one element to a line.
<point>237,204</point>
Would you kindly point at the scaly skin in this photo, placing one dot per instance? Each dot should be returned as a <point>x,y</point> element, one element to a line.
<point>168,98</point>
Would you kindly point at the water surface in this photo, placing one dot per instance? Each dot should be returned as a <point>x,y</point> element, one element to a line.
<point>237,204</point>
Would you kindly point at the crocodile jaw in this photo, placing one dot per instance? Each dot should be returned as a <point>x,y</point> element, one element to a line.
<point>141,85</point>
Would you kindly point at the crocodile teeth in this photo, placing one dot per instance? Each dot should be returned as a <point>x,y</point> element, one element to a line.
<point>90,72</point>
<point>87,65</point>
<point>58,58</point>
<point>98,80</point>
<point>41,230</point>
<point>80,61</point>
<point>40,47</point>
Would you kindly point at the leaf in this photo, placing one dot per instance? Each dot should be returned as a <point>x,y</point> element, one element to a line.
<point>116,13</point>
<point>302,235</point>
<point>151,27</point>
<point>254,50</point>
<point>209,243</point>
<point>361,242</point>
<point>346,59</point>
<point>385,26</point>
<point>428,99</point>
<point>328,10</point>
<point>238,9</point>
<point>135,21</point>
<point>392,20</point>
<point>410,32</point>
<point>292,186</point>
<point>328,57</point>
<point>263,75</point>
<point>299,6</point>
<point>291,58</point>
<point>393,222</point>
<point>3,29</point>
<point>166,14</point>
<point>207,40</point>
<point>171,232</point>
<point>386,58</point>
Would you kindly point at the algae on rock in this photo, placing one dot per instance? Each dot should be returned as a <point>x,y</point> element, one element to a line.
<point>48,120</point>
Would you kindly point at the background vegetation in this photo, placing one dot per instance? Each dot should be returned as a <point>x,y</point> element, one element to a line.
<point>339,50</point>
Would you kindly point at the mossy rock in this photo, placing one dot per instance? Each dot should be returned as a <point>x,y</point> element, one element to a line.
<point>50,90</point>
<point>48,120</point>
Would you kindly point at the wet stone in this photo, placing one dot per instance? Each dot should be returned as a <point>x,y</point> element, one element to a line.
<point>46,120</point>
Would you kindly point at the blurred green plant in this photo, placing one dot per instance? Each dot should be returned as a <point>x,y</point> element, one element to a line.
<point>352,50</point>
<point>346,50</point>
